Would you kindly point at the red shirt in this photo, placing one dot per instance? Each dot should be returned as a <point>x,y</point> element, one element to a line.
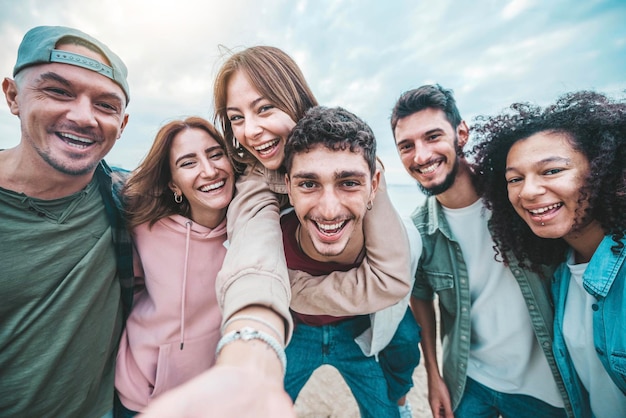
<point>298,260</point>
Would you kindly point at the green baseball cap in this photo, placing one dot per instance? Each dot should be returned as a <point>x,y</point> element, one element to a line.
<point>39,47</point>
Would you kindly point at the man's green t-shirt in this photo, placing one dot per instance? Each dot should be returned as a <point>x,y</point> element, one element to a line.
<point>60,316</point>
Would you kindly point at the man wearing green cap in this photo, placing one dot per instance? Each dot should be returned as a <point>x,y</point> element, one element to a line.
<point>66,258</point>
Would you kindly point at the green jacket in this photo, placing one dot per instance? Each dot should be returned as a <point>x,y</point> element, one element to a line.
<point>442,271</point>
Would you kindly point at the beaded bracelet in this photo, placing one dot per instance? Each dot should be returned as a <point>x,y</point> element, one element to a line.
<point>247,334</point>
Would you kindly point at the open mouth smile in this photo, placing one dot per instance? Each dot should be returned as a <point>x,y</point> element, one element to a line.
<point>330,229</point>
<point>267,148</point>
<point>212,186</point>
<point>544,210</point>
<point>430,167</point>
<point>75,141</point>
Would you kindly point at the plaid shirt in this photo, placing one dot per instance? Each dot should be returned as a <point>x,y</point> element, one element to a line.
<point>110,182</point>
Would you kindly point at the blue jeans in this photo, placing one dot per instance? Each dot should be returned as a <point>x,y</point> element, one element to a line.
<point>310,347</point>
<point>479,401</point>
<point>401,356</point>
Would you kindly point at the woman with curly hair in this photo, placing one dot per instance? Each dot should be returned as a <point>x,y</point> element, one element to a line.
<point>555,179</point>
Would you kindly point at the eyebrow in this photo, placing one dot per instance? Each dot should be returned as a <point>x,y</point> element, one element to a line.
<point>193,154</point>
<point>542,162</point>
<point>432,131</point>
<point>52,76</point>
<point>427,133</point>
<point>253,104</point>
<point>338,174</point>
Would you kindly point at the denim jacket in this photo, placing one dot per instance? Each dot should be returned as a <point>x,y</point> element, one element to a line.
<point>442,270</point>
<point>605,279</point>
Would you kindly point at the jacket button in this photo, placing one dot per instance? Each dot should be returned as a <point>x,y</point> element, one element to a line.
<point>595,307</point>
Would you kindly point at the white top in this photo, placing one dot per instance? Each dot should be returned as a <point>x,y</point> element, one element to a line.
<point>504,353</point>
<point>385,322</point>
<point>605,397</point>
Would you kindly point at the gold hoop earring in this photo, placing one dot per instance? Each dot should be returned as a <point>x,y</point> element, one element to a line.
<point>178,198</point>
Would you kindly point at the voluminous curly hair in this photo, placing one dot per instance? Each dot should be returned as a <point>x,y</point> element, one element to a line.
<point>596,126</point>
<point>334,128</point>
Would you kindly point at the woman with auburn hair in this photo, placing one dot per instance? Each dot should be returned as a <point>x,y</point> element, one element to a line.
<point>555,179</point>
<point>259,95</point>
<point>175,202</point>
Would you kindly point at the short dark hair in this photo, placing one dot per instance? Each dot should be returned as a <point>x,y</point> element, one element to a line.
<point>425,97</point>
<point>336,129</point>
<point>595,125</point>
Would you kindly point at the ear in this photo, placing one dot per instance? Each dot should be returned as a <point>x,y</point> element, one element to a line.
<point>288,184</point>
<point>124,122</point>
<point>9,87</point>
<point>462,132</point>
<point>174,188</point>
<point>375,183</point>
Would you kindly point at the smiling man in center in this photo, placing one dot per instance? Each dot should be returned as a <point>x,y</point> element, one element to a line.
<point>332,179</point>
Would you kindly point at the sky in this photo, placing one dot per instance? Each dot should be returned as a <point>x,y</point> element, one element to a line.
<point>358,54</point>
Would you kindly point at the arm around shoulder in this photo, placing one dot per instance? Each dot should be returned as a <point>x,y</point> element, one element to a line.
<point>383,278</point>
<point>254,272</point>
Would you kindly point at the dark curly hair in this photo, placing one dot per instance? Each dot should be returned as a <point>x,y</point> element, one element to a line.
<point>334,128</point>
<point>596,127</point>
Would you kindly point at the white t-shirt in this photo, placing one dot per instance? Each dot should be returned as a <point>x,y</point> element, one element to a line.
<point>504,353</point>
<point>607,401</point>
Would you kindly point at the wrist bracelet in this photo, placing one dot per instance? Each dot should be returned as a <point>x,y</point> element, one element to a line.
<point>251,318</point>
<point>247,334</point>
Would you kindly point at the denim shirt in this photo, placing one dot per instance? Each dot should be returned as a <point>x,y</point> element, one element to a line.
<point>442,270</point>
<point>605,279</point>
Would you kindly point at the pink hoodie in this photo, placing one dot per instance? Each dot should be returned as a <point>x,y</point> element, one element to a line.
<point>173,329</point>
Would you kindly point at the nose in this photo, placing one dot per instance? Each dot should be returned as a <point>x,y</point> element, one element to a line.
<point>208,168</point>
<point>252,128</point>
<point>329,204</point>
<point>81,112</point>
<point>531,188</point>
<point>422,154</point>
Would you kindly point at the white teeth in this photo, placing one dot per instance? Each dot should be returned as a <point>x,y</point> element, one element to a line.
<point>212,186</point>
<point>544,210</point>
<point>430,168</point>
<point>267,145</point>
<point>77,138</point>
<point>330,227</point>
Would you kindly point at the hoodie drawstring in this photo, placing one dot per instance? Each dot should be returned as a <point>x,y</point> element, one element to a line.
<point>184,290</point>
